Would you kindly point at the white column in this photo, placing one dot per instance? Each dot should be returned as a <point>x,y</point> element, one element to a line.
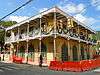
<point>18,34</point>
<point>55,34</point>
<point>26,52</point>
<point>5,35</point>
<point>69,51</point>
<point>17,48</point>
<point>79,46</point>
<point>12,36</point>
<point>79,52</point>
<point>18,41</point>
<point>40,34</point>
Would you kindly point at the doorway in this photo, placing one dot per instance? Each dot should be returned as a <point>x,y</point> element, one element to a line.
<point>75,53</point>
<point>64,52</point>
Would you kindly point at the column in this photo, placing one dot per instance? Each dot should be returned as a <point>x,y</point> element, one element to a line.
<point>18,42</point>
<point>17,51</point>
<point>5,35</point>
<point>40,39</point>
<point>69,51</point>
<point>79,45</point>
<point>26,52</point>
<point>90,51</point>
<point>55,34</point>
<point>79,51</point>
<point>27,41</point>
<point>40,34</point>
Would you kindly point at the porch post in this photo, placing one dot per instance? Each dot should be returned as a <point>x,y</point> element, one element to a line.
<point>18,41</point>
<point>17,48</point>
<point>69,51</point>
<point>26,52</point>
<point>55,34</point>
<point>40,34</point>
<point>79,45</point>
<point>80,57</point>
<point>86,45</point>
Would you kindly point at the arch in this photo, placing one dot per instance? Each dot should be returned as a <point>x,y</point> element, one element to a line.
<point>31,52</point>
<point>75,53</point>
<point>43,49</point>
<point>31,48</point>
<point>64,52</point>
<point>22,49</point>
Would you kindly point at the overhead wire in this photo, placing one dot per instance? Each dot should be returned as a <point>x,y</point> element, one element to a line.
<point>16,9</point>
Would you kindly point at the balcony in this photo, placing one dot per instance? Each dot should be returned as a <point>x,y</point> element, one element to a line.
<point>23,36</point>
<point>17,37</point>
<point>34,32</point>
<point>48,30</point>
<point>62,31</point>
<point>8,39</point>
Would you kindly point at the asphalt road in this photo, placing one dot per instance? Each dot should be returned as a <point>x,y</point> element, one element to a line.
<point>24,69</point>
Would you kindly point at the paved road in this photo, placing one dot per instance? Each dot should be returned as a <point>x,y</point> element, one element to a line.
<point>23,69</point>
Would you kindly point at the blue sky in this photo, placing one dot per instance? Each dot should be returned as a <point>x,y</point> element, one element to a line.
<point>86,11</point>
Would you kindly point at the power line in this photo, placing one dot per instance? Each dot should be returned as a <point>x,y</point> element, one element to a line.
<point>16,9</point>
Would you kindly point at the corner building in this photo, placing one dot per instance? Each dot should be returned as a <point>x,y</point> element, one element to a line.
<point>52,33</point>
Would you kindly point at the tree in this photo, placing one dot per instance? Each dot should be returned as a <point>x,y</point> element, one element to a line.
<point>4,24</point>
<point>7,23</point>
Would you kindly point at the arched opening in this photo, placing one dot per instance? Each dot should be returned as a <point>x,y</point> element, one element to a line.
<point>31,52</point>
<point>22,51</point>
<point>82,52</point>
<point>64,52</point>
<point>43,49</point>
<point>75,53</point>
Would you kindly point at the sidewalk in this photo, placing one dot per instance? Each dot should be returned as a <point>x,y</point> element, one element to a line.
<point>6,61</point>
<point>96,70</point>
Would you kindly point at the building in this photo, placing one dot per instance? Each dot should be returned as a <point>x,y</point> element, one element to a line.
<point>98,42</point>
<point>52,33</point>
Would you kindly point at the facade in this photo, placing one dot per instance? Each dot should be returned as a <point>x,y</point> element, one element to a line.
<point>98,42</point>
<point>53,34</point>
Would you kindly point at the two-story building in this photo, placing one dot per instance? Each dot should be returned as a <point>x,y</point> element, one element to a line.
<point>52,33</point>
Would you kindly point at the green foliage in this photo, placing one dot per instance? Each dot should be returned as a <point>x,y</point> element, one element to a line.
<point>7,23</point>
<point>98,35</point>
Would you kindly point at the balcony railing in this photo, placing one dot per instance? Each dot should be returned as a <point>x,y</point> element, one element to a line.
<point>34,32</point>
<point>16,37</point>
<point>8,39</point>
<point>62,31</point>
<point>23,36</point>
<point>48,30</point>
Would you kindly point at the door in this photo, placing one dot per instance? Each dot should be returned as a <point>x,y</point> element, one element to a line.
<point>75,53</point>
<point>31,53</point>
<point>64,52</point>
<point>43,50</point>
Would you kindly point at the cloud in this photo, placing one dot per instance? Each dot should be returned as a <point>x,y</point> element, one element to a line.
<point>72,8</point>
<point>17,18</point>
<point>43,9</point>
<point>85,20</point>
<point>89,21</point>
<point>96,3</point>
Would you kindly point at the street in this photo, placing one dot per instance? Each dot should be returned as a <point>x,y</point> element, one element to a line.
<point>24,69</point>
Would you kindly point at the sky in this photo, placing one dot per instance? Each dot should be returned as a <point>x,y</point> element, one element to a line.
<point>86,11</point>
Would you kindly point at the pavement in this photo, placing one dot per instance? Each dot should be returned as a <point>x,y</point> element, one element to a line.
<point>25,69</point>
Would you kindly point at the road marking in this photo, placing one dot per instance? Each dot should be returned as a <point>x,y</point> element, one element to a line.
<point>97,70</point>
<point>1,70</point>
<point>13,67</point>
<point>6,68</point>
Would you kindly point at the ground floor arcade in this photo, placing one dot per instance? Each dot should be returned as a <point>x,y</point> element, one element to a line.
<point>59,48</point>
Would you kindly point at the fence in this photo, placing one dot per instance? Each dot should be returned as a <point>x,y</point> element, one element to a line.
<point>79,66</point>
